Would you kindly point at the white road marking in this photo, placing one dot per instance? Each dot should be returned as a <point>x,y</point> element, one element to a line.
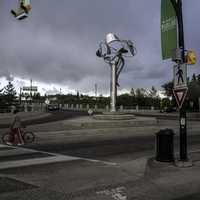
<point>53,158</point>
<point>81,158</point>
<point>100,161</point>
<point>116,193</point>
<point>35,161</point>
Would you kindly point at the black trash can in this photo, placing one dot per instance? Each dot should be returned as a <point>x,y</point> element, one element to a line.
<point>165,145</point>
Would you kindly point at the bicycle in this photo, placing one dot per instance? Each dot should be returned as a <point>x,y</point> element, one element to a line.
<point>28,136</point>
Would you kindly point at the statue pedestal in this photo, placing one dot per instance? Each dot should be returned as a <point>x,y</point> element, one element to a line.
<point>114,116</point>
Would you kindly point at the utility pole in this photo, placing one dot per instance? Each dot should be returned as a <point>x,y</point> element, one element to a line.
<point>31,92</point>
<point>177,4</point>
<point>95,89</point>
<point>20,95</point>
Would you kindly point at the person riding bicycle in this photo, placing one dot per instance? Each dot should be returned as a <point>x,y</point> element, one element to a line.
<point>16,129</point>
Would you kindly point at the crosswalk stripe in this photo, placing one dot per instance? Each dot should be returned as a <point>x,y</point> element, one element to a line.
<point>52,158</point>
<point>15,151</point>
<point>35,161</point>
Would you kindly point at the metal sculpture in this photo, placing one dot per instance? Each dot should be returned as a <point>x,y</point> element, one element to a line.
<point>23,10</point>
<point>113,50</point>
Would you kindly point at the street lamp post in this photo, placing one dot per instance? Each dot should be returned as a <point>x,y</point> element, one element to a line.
<point>20,96</point>
<point>113,50</point>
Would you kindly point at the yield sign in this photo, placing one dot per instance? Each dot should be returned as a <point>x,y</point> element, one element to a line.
<point>180,94</point>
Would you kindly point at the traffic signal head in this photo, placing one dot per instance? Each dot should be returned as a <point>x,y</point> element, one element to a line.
<point>23,9</point>
<point>20,14</point>
<point>191,57</point>
<point>25,5</point>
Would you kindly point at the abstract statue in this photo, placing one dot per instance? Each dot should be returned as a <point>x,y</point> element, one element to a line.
<point>113,50</point>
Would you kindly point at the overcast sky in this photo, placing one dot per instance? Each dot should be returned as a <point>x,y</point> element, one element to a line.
<point>56,45</point>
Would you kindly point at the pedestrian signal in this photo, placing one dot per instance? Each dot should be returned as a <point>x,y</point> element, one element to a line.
<point>191,57</point>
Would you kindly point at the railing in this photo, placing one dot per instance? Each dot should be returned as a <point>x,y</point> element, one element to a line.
<point>85,107</point>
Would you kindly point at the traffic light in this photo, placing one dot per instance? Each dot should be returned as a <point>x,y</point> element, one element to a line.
<point>23,10</point>
<point>25,5</point>
<point>19,14</point>
<point>191,57</point>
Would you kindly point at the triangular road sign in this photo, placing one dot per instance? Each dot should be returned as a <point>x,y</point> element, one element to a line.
<point>180,94</point>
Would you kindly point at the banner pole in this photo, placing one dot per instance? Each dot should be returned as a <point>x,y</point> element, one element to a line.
<point>182,112</point>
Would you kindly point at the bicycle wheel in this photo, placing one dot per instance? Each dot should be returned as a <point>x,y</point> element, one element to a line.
<point>28,137</point>
<point>6,138</point>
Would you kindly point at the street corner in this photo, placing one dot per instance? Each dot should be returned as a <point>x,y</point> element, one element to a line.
<point>184,164</point>
<point>156,168</point>
<point>135,168</point>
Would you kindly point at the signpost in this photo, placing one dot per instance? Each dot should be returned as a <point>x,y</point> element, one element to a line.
<point>180,94</point>
<point>199,104</point>
<point>47,101</point>
<point>180,84</point>
<point>171,21</point>
<point>30,88</point>
<point>180,76</point>
<point>181,81</point>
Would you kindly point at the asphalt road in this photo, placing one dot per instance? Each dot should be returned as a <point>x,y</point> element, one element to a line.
<point>117,148</point>
<point>116,145</point>
<point>55,116</point>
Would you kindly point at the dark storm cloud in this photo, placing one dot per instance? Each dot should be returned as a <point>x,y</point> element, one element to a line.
<point>57,43</point>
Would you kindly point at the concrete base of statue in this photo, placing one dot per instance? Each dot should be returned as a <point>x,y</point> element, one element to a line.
<point>114,116</point>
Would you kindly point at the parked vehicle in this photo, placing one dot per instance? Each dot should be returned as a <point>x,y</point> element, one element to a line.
<point>168,110</point>
<point>53,107</point>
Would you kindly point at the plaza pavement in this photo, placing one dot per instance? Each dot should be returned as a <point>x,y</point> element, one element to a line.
<point>47,176</point>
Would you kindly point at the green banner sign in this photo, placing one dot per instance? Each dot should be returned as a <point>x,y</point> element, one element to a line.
<point>168,29</point>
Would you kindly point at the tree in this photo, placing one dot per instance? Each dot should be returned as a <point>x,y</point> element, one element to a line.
<point>168,87</point>
<point>132,92</point>
<point>77,95</point>
<point>140,93</point>
<point>1,96</point>
<point>153,98</point>
<point>152,92</point>
<point>165,102</point>
<point>198,79</point>
<point>125,100</point>
<point>36,97</point>
<point>194,91</point>
<point>194,78</point>
<point>9,94</point>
